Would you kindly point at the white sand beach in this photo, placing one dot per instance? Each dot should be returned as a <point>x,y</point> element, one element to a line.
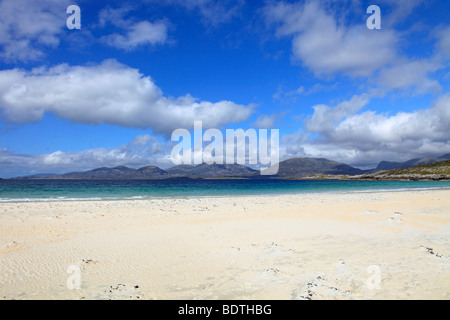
<point>310,246</point>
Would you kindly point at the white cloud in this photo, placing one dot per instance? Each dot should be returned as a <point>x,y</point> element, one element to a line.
<point>398,12</point>
<point>142,151</point>
<point>139,34</point>
<point>326,46</point>
<point>325,43</point>
<point>325,118</point>
<point>292,145</point>
<point>348,134</point>
<point>115,16</point>
<point>213,12</point>
<point>410,74</point>
<point>134,33</point>
<point>141,140</point>
<point>109,93</point>
<point>27,27</point>
<point>266,122</point>
<point>443,44</point>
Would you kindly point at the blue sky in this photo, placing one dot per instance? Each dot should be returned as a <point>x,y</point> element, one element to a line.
<point>112,92</point>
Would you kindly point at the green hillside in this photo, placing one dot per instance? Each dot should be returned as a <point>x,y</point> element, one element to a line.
<point>442,167</point>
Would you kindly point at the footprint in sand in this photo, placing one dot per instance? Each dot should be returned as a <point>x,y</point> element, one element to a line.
<point>395,219</point>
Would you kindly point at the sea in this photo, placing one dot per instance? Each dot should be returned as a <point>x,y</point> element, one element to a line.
<point>12,190</point>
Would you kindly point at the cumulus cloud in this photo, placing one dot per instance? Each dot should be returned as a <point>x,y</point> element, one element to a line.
<point>28,27</point>
<point>349,134</point>
<point>142,151</point>
<point>325,45</point>
<point>133,34</point>
<point>325,118</point>
<point>109,93</point>
<point>410,74</point>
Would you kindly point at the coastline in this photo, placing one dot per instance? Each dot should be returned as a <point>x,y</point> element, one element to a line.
<point>26,191</point>
<point>305,246</point>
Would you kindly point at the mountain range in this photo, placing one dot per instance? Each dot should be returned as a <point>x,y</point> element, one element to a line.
<point>388,165</point>
<point>296,168</point>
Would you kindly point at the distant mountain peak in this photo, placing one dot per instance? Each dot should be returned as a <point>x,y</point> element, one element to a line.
<point>389,165</point>
<point>213,170</point>
<point>303,167</point>
<point>293,168</point>
<point>445,156</point>
<point>122,168</point>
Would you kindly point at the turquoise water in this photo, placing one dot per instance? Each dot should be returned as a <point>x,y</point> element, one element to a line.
<point>73,190</point>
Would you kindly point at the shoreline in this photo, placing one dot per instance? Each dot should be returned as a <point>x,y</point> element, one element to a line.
<point>308,246</point>
<point>178,197</point>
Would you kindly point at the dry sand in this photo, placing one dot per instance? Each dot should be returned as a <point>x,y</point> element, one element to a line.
<point>316,246</point>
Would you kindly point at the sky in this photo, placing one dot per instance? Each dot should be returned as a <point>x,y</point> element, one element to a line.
<point>113,91</point>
